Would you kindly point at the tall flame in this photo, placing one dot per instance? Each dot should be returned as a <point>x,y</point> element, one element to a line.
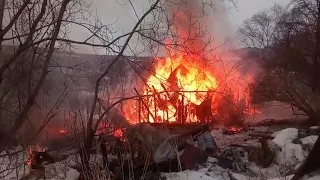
<point>185,85</point>
<point>176,79</point>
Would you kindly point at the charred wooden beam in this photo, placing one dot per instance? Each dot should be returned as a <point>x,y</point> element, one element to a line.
<point>143,103</point>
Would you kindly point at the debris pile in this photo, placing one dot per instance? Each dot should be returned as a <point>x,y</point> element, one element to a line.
<point>152,151</point>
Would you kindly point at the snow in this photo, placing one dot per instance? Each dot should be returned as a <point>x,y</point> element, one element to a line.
<point>314,178</point>
<point>309,140</point>
<point>282,178</point>
<point>188,175</point>
<point>314,127</point>
<point>291,154</point>
<point>72,174</point>
<point>212,160</point>
<point>239,176</point>
<point>13,167</point>
<point>285,136</point>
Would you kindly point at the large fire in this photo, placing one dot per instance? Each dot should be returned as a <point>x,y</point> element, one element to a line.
<point>185,87</point>
<point>181,90</point>
<point>177,82</point>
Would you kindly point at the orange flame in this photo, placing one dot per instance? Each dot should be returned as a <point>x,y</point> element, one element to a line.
<point>118,133</point>
<point>181,83</point>
<point>176,78</point>
<point>181,80</point>
<point>235,129</point>
<point>63,131</point>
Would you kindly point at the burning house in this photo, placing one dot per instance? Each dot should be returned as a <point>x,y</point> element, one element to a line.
<point>185,90</point>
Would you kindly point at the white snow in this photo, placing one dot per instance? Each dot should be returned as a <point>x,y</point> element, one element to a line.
<point>72,174</point>
<point>13,167</point>
<point>285,136</point>
<point>314,178</point>
<point>239,176</point>
<point>288,157</point>
<point>309,140</point>
<point>314,127</point>
<point>212,160</point>
<point>188,175</point>
<point>291,154</point>
<point>282,178</point>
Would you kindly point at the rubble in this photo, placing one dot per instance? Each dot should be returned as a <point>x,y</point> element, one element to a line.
<point>198,152</point>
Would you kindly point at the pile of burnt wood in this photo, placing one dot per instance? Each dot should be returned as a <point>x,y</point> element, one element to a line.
<point>153,149</point>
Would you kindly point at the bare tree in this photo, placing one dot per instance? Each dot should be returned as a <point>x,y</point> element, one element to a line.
<point>31,29</point>
<point>36,28</point>
<point>161,21</point>
<point>288,58</point>
<point>262,29</point>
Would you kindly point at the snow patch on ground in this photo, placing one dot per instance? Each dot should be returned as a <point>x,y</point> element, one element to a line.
<point>285,136</point>
<point>314,178</point>
<point>72,174</point>
<point>13,167</point>
<point>282,178</point>
<point>188,175</point>
<point>291,154</point>
<point>314,127</point>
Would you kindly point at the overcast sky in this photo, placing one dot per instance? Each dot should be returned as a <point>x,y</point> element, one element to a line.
<point>246,8</point>
<point>120,13</point>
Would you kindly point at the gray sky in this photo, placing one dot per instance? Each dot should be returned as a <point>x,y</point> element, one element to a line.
<point>224,26</point>
<point>246,8</point>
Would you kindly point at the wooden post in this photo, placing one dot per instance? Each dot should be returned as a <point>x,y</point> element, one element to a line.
<point>167,109</point>
<point>146,106</point>
<point>155,108</point>
<point>183,120</point>
<point>139,109</point>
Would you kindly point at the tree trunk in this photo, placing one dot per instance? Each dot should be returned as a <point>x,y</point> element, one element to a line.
<point>85,154</point>
<point>311,163</point>
<point>315,87</point>
<point>44,72</point>
<point>2,5</point>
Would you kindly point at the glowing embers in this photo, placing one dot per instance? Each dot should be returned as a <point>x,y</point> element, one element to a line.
<point>31,153</point>
<point>233,130</point>
<point>63,131</point>
<point>107,128</point>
